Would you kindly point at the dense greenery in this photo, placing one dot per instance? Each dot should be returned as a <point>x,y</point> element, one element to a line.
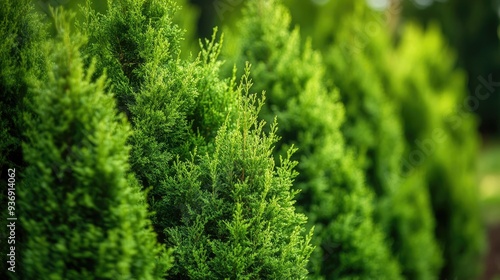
<point>141,154</point>
<point>402,202</point>
<point>439,130</point>
<point>333,193</point>
<point>238,220</point>
<point>177,108</point>
<point>137,45</point>
<point>90,218</point>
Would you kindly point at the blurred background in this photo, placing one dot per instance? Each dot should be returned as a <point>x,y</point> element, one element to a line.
<point>470,27</point>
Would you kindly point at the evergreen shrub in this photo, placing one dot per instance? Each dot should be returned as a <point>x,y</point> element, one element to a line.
<point>84,214</point>
<point>238,219</point>
<point>332,192</point>
<point>177,109</point>
<point>172,103</point>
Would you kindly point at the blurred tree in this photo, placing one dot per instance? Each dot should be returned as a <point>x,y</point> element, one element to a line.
<point>417,116</point>
<point>22,32</point>
<point>472,30</point>
<point>440,132</point>
<point>84,216</point>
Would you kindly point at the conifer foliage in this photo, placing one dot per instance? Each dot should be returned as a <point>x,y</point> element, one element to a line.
<point>239,220</point>
<point>83,212</point>
<point>22,32</point>
<point>349,243</point>
<point>226,214</point>
<point>171,103</point>
<point>369,176</point>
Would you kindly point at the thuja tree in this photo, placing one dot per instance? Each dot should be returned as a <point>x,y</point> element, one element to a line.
<point>238,219</point>
<point>374,131</point>
<point>332,193</point>
<point>174,105</point>
<point>22,32</point>
<point>440,134</point>
<point>83,213</point>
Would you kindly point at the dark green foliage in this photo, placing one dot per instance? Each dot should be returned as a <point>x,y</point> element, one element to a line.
<point>349,244</point>
<point>238,220</point>
<point>22,33</point>
<point>440,134</point>
<point>84,216</point>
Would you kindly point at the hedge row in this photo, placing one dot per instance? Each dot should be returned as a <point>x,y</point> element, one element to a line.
<point>267,156</point>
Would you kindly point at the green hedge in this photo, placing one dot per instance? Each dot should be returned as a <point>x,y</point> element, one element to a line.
<point>83,214</point>
<point>370,173</point>
<point>177,108</point>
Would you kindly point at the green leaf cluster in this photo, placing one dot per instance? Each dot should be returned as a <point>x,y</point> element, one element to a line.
<point>369,175</point>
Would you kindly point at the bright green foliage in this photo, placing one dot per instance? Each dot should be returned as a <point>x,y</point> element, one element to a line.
<point>237,218</point>
<point>349,244</point>
<point>177,106</point>
<point>440,134</point>
<point>84,215</point>
<point>356,46</point>
<point>374,131</point>
<point>171,103</point>
<point>370,126</point>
